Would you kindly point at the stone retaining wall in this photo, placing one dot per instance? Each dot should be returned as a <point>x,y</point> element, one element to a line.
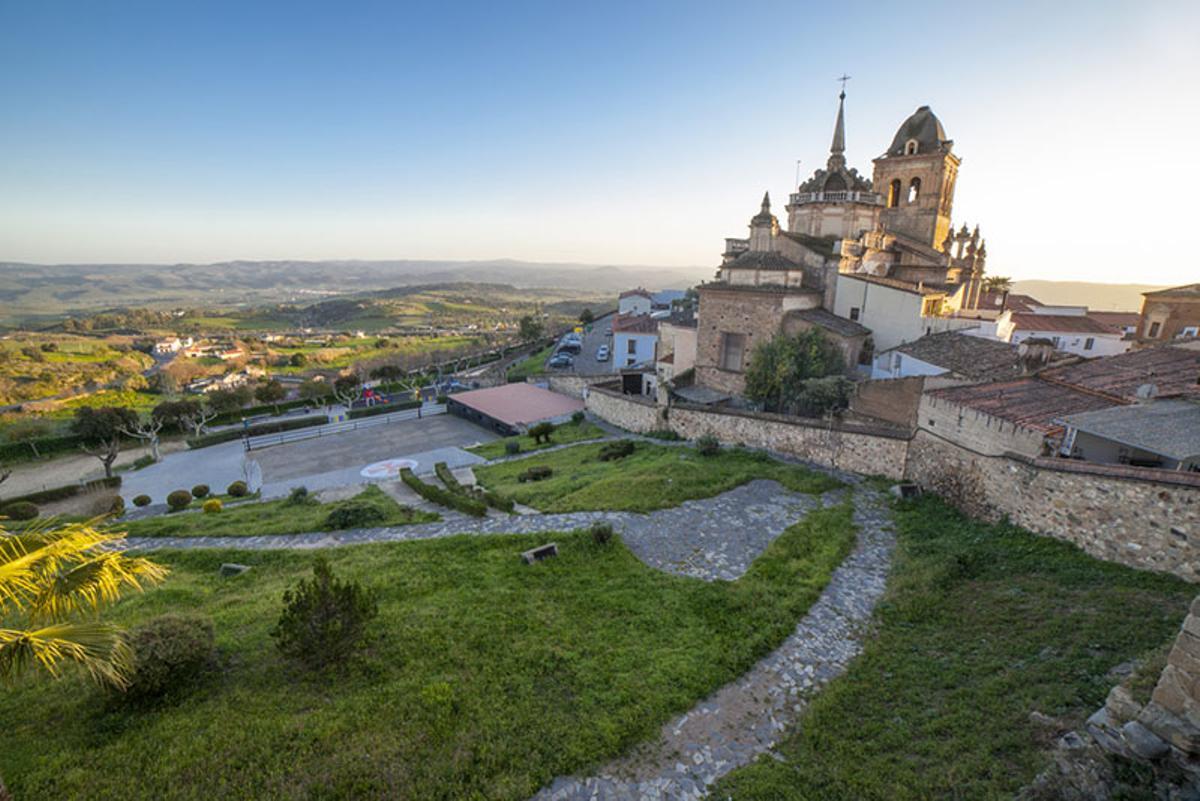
<point>631,412</point>
<point>569,383</point>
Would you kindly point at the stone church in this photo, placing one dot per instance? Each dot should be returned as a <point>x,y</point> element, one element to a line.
<point>892,232</point>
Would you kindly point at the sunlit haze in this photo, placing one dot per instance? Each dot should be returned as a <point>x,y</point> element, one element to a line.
<point>639,133</point>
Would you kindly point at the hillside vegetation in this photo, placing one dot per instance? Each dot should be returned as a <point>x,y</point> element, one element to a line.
<point>37,366</point>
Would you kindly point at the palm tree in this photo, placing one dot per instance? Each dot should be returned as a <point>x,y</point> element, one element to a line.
<point>997,283</point>
<point>54,580</point>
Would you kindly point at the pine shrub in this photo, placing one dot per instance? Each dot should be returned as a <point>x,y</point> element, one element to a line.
<point>512,447</point>
<point>323,619</point>
<point>354,513</point>
<point>616,450</point>
<point>708,445</point>
<point>602,533</point>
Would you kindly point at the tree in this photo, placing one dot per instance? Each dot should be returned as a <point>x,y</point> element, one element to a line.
<point>828,395</point>
<point>586,317</point>
<point>147,431</point>
<point>230,400</point>
<point>388,372</point>
<point>174,413</point>
<point>298,360</point>
<point>49,578</point>
<point>997,283</point>
<point>100,430</point>
<point>531,328</point>
<point>347,388</point>
<point>315,390</point>
<point>779,368</point>
<point>270,392</point>
<point>323,619</point>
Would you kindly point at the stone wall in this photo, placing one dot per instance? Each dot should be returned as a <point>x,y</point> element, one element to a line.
<point>1142,518</point>
<point>634,413</point>
<point>568,383</point>
<point>977,430</point>
<point>894,400</point>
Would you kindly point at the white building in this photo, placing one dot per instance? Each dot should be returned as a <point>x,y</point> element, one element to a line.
<point>172,345</point>
<point>635,301</point>
<point>895,311</point>
<point>635,340</point>
<point>1070,328</point>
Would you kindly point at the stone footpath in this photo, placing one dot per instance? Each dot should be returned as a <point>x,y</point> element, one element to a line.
<point>747,717</point>
<point>712,538</point>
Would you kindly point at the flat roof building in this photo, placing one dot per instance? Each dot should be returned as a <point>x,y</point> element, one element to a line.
<point>510,408</point>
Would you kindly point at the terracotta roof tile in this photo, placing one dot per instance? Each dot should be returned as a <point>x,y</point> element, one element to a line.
<point>518,404</point>
<point>1174,371</point>
<point>1028,402</point>
<point>1067,323</point>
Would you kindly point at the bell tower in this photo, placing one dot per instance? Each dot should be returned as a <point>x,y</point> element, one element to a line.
<point>915,179</point>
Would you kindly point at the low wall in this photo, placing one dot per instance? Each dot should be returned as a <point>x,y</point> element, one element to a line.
<point>1141,518</point>
<point>894,400</point>
<point>569,383</point>
<point>634,413</point>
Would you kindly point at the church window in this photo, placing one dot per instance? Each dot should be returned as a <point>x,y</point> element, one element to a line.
<point>910,147</point>
<point>733,347</point>
<point>894,194</point>
<point>914,190</point>
<point>1154,330</point>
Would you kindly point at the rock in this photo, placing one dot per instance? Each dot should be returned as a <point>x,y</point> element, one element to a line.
<point>1143,742</point>
<point>905,491</point>
<point>1121,706</point>
<point>1042,719</point>
<point>1071,741</point>
<point>232,569</point>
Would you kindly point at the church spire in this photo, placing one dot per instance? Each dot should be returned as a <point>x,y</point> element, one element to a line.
<point>837,150</point>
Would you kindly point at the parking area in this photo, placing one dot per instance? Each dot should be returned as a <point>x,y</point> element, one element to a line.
<point>586,362</point>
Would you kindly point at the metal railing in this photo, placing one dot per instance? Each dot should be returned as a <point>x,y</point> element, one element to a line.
<point>284,437</point>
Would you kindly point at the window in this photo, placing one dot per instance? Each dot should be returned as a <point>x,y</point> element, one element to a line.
<point>632,346</point>
<point>854,313</point>
<point>733,348</point>
<point>914,190</point>
<point>1153,334</point>
<point>910,147</point>
<point>894,194</point>
<point>1087,345</point>
<point>1190,331</point>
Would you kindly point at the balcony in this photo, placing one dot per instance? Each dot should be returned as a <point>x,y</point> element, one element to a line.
<point>803,198</point>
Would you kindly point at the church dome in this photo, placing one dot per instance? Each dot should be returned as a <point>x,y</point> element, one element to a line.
<point>924,128</point>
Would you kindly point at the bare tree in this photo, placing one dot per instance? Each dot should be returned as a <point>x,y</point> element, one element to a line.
<point>147,431</point>
<point>197,418</point>
<point>347,388</point>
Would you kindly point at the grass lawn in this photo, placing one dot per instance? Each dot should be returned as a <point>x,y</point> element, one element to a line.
<point>270,517</point>
<point>563,435</point>
<point>981,626</point>
<point>531,365</point>
<point>485,678</point>
<point>654,477</point>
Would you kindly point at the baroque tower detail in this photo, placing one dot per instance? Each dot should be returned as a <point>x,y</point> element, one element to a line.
<point>915,178</point>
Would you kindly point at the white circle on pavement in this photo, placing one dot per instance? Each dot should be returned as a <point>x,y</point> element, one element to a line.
<point>388,468</point>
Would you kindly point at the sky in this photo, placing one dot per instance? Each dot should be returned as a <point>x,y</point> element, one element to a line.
<point>609,132</point>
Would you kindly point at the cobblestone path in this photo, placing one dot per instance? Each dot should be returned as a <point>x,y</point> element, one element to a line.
<point>746,717</point>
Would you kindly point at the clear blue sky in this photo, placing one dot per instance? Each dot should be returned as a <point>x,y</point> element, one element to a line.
<point>608,132</point>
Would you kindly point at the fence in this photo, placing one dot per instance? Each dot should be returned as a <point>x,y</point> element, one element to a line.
<point>284,437</point>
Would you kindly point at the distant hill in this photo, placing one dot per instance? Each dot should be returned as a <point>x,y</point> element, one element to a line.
<point>31,292</point>
<point>1102,297</point>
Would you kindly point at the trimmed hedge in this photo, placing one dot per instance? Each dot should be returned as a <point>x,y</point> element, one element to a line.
<point>443,497</point>
<point>67,491</point>
<point>266,408</point>
<point>253,431</point>
<point>492,499</point>
<point>19,510</point>
<point>179,500</point>
<point>382,408</point>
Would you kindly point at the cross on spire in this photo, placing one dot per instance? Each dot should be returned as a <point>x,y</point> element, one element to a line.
<point>843,79</point>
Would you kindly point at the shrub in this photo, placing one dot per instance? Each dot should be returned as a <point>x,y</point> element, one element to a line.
<point>535,474</point>
<point>116,506</point>
<point>512,447</point>
<point>665,434</point>
<point>443,398</point>
<point>169,652</point>
<point>212,506</point>
<point>708,445</point>
<point>299,495</point>
<point>444,473</point>
<point>577,417</point>
<point>616,450</point>
<point>200,491</point>
<point>443,497</point>
<point>237,489</point>
<point>542,432</point>
<point>143,461</point>
<point>20,510</point>
<point>323,619</point>
<point>141,500</point>
<point>179,499</point>
<point>354,514</point>
<point>602,533</point>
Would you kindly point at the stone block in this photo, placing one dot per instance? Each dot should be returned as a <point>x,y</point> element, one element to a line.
<point>1191,625</point>
<point>1143,742</point>
<point>1178,731</point>
<point>232,569</point>
<point>1188,644</point>
<point>1173,691</point>
<point>539,553</point>
<point>1183,659</point>
<point>1120,705</point>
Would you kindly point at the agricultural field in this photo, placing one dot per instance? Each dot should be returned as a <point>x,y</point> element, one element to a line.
<point>343,352</point>
<point>34,366</point>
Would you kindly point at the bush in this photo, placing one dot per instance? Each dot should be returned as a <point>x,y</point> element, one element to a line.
<point>512,447</point>
<point>116,507</point>
<point>542,432</point>
<point>443,398</point>
<point>299,495</point>
<point>237,489</point>
<point>229,435</point>
<point>708,445</point>
<point>169,652</point>
<point>616,450</point>
<point>179,499</point>
<point>212,506</point>
<point>665,434</point>
<point>143,461</point>
<point>354,514</point>
<point>539,473</point>
<point>67,491</point>
<point>602,533</point>
<point>323,619</point>
<point>141,500</point>
<point>200,491</point>
<point>443,497</point>
<point>383,408</point>
<point>19,510</point>
<point>577,417</point>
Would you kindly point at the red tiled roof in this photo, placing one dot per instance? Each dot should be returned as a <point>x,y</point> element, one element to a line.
<point>1027,402</point>
<point>1116,318</point>
<point>1018,303</point>
<point>1185,291</point>
<point>518,404</point>
<point>1174,371</point>
<point>634,324</point>
<point>1068,323</point>
<point>645,293</point>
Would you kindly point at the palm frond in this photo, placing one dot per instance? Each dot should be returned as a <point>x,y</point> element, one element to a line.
<point>97,647</point>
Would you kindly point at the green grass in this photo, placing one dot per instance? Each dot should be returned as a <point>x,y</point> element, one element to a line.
<point>563,435</point>
<point>269,517</point>
<point>982,625</point>
<point>485,678</point>
<point>531,365</point>
<point>654,477</point>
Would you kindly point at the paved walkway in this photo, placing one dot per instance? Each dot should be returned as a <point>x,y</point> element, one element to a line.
<point>747,717</point>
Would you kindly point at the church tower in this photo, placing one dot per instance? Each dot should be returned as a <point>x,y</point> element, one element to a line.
<point>915,179</point>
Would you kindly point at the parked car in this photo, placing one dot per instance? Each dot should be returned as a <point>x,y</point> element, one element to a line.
<point>560,360</point>
<point>602,353</point>
<point>570,347</point>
